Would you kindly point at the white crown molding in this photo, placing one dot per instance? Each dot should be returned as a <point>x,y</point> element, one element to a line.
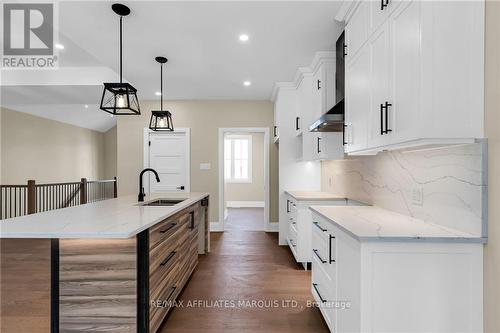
<point>319,58</point>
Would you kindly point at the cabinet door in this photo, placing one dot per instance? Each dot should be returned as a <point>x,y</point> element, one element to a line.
<point>406,71</point>
<point>379,45</point>
<point>380,11</point>
<point>356,30</point>
<point>357,102</point>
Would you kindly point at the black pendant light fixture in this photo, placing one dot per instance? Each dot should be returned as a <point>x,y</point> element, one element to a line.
<point>161,120</point>
<point>120,98</point>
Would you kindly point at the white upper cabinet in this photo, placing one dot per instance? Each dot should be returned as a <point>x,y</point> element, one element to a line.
<point>414,74</point>
<point>323,89</point>
<point>357,98</point>
<point>356,31</point>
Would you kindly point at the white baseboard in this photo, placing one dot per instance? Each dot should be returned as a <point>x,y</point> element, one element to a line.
<point>273,227</point>
<point>216,227</point>
<point>245,204</point>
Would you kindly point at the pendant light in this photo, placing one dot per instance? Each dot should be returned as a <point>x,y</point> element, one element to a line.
<point>161,120</point>
<point>120,98</point>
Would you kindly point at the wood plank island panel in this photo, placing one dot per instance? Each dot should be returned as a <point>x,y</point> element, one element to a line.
<point>98,285</point>
<point>25,285</point>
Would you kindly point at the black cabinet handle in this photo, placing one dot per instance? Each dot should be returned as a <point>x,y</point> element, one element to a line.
<point>319,227</point>
<point>344,47</point>
<point>330,249</point>
<point>297,127</point>
<point>274,131</point>
<point>318,143</point>
<point>387,105</point>
<point>168,258</point>
<point>383,4</point>
<point>343,135</point>
<point>319,257</point>
<point>288,206</point>
<point>191,216</point>
<point>171,292</point>
<point>180,187</point>
<point>168,228</point>
<point>319,84</point>
<point>315,286</point>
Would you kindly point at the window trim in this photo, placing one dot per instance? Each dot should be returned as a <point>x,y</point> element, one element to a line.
<point>249,179</point>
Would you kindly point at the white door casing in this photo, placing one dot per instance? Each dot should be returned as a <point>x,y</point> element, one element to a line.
<point>169,154</point>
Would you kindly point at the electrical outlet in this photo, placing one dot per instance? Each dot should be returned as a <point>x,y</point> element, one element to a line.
<point>418,196</point>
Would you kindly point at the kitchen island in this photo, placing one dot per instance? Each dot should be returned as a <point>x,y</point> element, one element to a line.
<point>110,266</point>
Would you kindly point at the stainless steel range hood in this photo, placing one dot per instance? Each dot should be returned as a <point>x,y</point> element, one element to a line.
<point>332,121</point>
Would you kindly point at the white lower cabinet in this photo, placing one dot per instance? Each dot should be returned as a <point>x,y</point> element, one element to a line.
<point>395,286</point>
<point>300,224</point>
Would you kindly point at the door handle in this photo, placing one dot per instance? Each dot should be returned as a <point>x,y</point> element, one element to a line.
<point>319,84</point>
<point>180,187</point>
<point>297,127</point>
<point>330,247</point>
<point>274,131</point>
<point>343,135</point>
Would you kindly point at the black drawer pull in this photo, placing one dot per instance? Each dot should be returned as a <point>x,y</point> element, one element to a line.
<point>320,227</point>
<point>288,206</point>
<point>332,237</point>
<point>297,127</point>
<point>171,293</point>
<point>387,129</point>
<point>191,216</point>
<point>318,145</point>
<point>319,257</point>
<point>167,259</point>
<point>275,132</point>
<point>168,228</point>
<point>315,286</point>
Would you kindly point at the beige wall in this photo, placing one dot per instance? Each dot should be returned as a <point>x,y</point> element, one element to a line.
<point>47,150</point>
<point>253,191</point>
<point>204,118</point>
<point>492,104</point>
<point>110,159</point>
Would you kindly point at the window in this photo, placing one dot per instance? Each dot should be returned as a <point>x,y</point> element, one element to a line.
<point>238,158</point>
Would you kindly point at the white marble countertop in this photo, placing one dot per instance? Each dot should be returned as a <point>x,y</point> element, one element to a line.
<point>314,196</point>
<point>370,223</point>
<point>122,217</point>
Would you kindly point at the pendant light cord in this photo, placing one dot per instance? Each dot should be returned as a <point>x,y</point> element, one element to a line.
<point>161,87</point>
<point>121,17</point>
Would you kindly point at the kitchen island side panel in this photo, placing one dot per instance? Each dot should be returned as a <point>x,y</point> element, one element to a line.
<point>98,285</point>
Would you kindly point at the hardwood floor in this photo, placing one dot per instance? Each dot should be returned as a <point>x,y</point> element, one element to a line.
<point>249,219</point>
<point>246,266</point>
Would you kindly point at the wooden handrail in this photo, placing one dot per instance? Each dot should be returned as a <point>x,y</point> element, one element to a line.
<point>31,198</point>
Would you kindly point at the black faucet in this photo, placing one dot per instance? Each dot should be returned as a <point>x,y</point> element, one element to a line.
<point>141,188</point>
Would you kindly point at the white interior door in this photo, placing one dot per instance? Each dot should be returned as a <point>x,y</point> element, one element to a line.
<point>168,154</point>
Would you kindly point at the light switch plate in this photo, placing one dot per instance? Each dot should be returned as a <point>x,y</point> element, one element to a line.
<point>418,196</point>
<point>205,166</point>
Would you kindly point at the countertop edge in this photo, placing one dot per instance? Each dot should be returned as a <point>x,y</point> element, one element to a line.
<point>304,198</point>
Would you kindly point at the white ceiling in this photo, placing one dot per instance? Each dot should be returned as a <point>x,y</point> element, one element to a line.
<point>200,39</point>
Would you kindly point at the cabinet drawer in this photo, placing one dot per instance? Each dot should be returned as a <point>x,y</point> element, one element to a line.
<point>165,299</point>
<point>162,231</point>
<point>324,292</point>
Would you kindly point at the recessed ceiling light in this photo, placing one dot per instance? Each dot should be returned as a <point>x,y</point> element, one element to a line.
<point>158,93</point>
<point>59,46</point>
<point>86,106</point>
<point>243,37</point>
<point>247,83</point>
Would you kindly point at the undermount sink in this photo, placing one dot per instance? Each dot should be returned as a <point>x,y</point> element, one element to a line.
<point>163,202</point>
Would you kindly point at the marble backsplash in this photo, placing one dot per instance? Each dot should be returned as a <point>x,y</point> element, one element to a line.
<point>445,186</point>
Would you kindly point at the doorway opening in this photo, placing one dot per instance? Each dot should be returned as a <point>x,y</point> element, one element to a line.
<point>243,179</point>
